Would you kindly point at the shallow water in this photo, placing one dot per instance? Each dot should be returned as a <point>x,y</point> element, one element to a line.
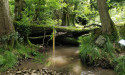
<point>66,60</point>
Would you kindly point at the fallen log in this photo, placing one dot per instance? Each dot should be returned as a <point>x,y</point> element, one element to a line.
<point>41,28</point>
<point>37,32</point>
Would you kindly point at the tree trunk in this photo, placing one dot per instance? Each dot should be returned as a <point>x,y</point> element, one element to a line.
<point>107,23</point>
<point>6,26</point>
<point>19,7</point>
<point>68,18</point>
<point>64,17</point>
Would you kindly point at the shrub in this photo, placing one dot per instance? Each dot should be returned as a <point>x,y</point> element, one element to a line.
<point>8,60</point>
<point>23,51</point>
<point>88,49</point>
<point>39,57</point>
<point>1,60</point>
<point>120,67</point>
<point>122,32</point>
<point>94,55</point>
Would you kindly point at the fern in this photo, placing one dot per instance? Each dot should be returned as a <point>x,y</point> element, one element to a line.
<point>120,67</point>
<point>9,60</point>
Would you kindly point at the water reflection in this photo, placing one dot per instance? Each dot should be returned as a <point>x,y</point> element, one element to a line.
<point>67,60</point>
<point>58,60</point>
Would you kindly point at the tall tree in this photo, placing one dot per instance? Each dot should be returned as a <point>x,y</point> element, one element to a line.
<point>19,7</point>
<point>6,26</point>
<point>108,26</point>
<point>69,14</point>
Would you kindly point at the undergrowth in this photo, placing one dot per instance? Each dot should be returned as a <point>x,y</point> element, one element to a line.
<point>101,56</point>
<point>87,49</point>
<point>7,60</point>
<point>39,57</point>
<point>10,58</point>
<point>120,65</point>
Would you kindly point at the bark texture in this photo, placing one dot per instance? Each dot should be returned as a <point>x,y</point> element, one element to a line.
<point>6,26</point>
<point>107,23</point>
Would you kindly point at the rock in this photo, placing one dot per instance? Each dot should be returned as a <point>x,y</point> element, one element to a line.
<point>18,72</point>
<point>43,71</point>
<point>100,41</point>
<point>26,74</point>
<point>10,74</point>
<point>40,71</point>
<point>33,74</point>
<point>34,71</point>
<point>46,71</point>
<point>54,72</point>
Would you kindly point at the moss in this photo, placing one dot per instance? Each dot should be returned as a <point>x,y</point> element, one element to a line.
<point>42,28</point>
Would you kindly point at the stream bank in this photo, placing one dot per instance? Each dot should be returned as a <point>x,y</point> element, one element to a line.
<point>65,62</point>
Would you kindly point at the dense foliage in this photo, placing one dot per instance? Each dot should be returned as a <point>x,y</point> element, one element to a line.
<point>65,13</point>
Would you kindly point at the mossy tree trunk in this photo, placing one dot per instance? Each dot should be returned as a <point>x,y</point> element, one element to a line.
<point>64,17</point>
<point>6,25</point>
<point>68,17</point>
<point>108,26</point>
<point>19,7</point>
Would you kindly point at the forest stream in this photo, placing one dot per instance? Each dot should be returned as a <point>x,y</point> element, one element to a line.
<point>67,61</point>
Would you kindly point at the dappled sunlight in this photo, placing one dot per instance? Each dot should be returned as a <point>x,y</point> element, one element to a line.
<point>77,68</point>
<point>59,61</point>
<point>77,52</point>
